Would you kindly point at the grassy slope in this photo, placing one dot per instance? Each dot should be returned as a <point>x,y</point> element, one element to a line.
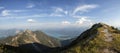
<point>94,42</point>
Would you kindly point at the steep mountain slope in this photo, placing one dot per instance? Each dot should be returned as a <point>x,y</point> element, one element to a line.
<point>31,37</point>
<point>100,38</point>
<point>31,40</point>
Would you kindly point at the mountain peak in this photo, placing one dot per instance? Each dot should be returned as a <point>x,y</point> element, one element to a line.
<point>103,31</point>
<point>28,36</point>
<point>100,38</point>
<point>27,31</point>
<point>97,25</point>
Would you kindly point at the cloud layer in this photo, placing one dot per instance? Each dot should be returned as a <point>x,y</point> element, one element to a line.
<point>66,22</point>
<point>32,14</point>
<point>31,20</point>
<point>84,20</point>
<point>84,8</point>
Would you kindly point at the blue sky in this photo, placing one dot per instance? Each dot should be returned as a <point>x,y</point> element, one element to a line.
<point>58,13</point>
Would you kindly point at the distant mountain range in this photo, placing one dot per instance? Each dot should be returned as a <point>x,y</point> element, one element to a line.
<point>100,38</point>
<point>60,33</point>
<point>8,32</point>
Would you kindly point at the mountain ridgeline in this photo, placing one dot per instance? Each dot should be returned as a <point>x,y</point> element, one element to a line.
<point>100,38</point>
<point>30,41</point>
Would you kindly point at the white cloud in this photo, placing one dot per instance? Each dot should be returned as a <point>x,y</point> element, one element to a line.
<point>58,12</point>
<point>66,12</point>
<point>10,12</point>
<point>84,20</point>
<point>84,8</point>
<point>80,16</point>
<point>58,9</point>
<point>66,22</point>
<point>13,15</point>
<point>5,12</point>
<point>31,20</point>
<point>30,5</point>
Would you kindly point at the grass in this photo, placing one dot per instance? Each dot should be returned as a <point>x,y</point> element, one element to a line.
<point>98,43</point>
